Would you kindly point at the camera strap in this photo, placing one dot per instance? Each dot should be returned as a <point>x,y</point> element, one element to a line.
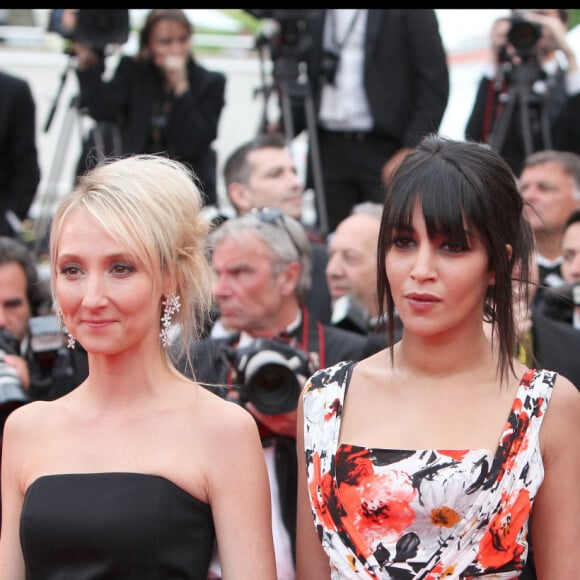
<point>333,32</point>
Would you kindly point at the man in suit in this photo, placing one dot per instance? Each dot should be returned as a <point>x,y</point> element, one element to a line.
<point>262,267</point>
<point>380,81</point>
<point>550,185</point>
<point>19,168</point>
<point>262,172</point>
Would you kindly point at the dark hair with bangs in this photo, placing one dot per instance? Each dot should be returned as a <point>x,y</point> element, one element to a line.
<point>462,185</point>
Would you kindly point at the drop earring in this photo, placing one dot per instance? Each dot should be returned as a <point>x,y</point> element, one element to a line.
<point>171,305</point>
<point>70,339</point>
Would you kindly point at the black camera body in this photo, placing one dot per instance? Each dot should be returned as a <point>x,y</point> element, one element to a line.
<point>12,394</point>
<point>96,27</point>
<point>524,35</point>
<point>268,374</point>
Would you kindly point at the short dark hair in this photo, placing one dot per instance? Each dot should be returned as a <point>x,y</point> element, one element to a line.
<point>237,168</point>
<point>38,293</point>
<point>573,218</point>
<point>457,182</point>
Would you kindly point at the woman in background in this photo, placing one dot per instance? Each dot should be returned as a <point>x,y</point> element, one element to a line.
<point>161,100</point>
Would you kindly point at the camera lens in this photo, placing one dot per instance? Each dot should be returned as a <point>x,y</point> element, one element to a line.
<point>273,389</point>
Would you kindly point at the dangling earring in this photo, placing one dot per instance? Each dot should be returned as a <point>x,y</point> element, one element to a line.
<point>70,339</point>
<point>171,306</point>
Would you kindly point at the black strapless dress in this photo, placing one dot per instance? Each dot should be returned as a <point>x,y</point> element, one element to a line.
<point>114,526</point>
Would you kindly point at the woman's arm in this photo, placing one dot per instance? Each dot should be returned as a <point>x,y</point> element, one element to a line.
<point>556,510</point>
<point>239,495</point>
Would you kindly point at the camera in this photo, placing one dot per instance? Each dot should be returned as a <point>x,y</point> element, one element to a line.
<point>96,28</point>
<point>523,34</point>
<point>12,394</point>
<point>268,372</point>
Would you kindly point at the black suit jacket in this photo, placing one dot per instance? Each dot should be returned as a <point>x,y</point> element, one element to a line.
<point>132,99</point>
<point>406,76</point>
<point>556,346</point>
<point>19,168</point>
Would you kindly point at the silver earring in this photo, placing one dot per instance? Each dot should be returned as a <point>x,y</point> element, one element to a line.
<point>70,340</point>
<point>171,305</point>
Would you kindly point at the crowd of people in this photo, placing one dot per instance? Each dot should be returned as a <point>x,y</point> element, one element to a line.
<point>394,395</point>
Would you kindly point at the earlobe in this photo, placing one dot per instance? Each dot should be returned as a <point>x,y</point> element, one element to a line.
<point>509,249</point>
<point>240,197</point>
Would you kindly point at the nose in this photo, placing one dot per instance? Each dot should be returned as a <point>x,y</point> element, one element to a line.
<point>94,292</point>
<point>220,286</point>
<point>3,317</point>
<point>424,266</point>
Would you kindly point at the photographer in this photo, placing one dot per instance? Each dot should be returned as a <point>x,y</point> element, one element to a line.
<point>162,100</point>
<point>530,51</point>
<point>262,266</point>
<point>563,303</point>
<point>34,366</point>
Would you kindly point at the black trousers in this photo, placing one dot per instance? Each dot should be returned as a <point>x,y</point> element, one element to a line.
<point>350,165</point>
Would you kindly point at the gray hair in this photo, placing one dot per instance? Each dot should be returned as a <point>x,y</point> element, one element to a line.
<point>569,161</point>
<point>286,244</point>
<point>368,208</point>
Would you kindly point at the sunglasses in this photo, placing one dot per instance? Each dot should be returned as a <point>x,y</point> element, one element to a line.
<point>273,216</point>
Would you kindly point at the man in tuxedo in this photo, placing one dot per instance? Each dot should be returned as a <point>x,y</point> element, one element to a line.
<point>380,81</point>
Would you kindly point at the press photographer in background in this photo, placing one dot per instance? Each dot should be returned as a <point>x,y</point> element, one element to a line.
<point>563,302</point>
<point>162,99</point>
<point>36,363</point>
<point>530,52</point>
<point>262,273</point>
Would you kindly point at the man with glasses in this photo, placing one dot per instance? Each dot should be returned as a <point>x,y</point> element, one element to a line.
<point>262,173</point>
<point>262,266</point>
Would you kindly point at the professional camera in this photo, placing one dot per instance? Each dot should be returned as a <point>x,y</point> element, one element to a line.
<point>96,28</point>
<point>268,372</point>
<point>290,43</point>
<point>524,35</point>
<point>12,394</point>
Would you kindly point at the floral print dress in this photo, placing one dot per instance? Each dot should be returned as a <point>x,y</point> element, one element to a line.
<point>422,514</point>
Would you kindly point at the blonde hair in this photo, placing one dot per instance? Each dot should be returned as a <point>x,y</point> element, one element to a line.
<point>152,206</point>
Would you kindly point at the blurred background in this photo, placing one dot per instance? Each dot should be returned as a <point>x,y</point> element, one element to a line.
<point>224,40</point>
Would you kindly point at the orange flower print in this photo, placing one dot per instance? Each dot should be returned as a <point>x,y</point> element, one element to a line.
<point>500,544</point>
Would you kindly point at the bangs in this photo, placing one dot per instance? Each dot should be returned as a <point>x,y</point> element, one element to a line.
<point>451,204</point>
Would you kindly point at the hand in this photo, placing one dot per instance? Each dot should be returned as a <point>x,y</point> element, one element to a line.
<point>21,368</point>
<point>86,56</point>
<point>174,69</point>
<point>556,32</point>
<point>282,424</point>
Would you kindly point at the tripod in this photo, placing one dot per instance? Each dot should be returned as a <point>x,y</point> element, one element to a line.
<point>71,121</point>
<point>520,93</point>
<point>292,82</point>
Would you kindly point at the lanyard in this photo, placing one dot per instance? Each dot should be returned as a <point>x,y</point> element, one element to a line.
<point>339,45</point>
